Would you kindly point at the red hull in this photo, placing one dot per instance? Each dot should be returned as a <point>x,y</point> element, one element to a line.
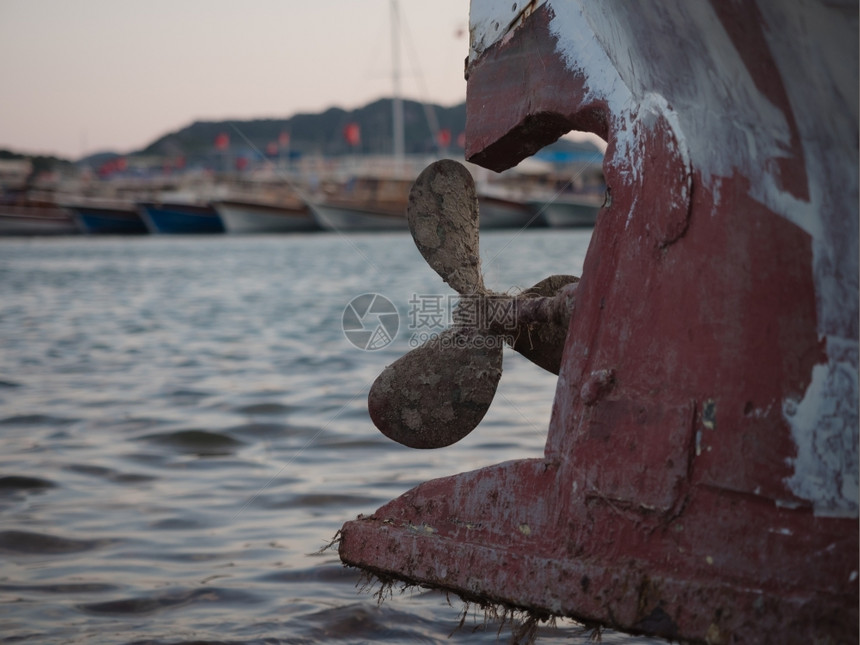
<point>708,490</point>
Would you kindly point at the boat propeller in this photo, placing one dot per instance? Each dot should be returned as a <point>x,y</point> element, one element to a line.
<point>438,393</point>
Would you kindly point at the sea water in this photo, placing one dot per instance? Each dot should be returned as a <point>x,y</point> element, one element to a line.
<point>184,427</point>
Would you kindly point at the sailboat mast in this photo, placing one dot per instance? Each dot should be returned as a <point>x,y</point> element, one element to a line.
<point>397,102</point>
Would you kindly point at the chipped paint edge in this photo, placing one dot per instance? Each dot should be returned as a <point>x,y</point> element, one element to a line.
<point>490,21</point>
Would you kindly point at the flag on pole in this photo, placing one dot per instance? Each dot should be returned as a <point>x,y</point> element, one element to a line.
<point>443,138</point>
<point>222,141</point>
<point>352,133</point>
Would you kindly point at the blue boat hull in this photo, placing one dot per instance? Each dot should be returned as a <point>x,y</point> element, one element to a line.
<point>163,218</point>
<point>108,221</point>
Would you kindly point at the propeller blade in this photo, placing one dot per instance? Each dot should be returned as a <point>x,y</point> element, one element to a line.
<point>438,393</point>
<point>443,219</point>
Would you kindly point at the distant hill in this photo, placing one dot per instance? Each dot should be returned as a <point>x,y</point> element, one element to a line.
<point>40,163</point>
<point>317,134</point>
<point>96,159</point>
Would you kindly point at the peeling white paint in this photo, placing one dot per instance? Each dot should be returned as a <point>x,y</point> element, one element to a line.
<point>781,531</point>
<point>590,40</point>
<point>824,426</point>
<point>630,213</point>
<point>761,413</point>
<point>491,20</point>
<point>423,528</point>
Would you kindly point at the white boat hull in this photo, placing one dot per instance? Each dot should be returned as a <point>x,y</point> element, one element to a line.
<point>567,212</point>
<point>335,217</point>
<point>30,220</point>
<point>241,218</point>
<point>503,213</point>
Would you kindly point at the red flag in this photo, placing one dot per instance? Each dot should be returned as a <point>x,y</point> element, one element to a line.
<point>461,140</point>
<point>241,163</point>
<point>352,133</point>
<point>222,141</point>
<point>284,139</point>
<point>272,149</point>
<point>443,138</point>
<point>107,168</point>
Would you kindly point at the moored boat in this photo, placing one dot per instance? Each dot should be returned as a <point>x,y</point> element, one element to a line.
<point>365,203</point>
<point>36,218</point>
<point>108,219</point>
<point>245,216</point>
<point>567,210</point>
<point>164,217</point>
<point>504,212</point>
<point>352,217</point>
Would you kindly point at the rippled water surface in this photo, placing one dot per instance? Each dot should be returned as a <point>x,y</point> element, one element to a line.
<point>183,427</point>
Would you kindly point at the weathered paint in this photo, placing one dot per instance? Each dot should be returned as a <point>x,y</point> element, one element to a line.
<point>700,474</point>
<point>824,425</point>
<point>785,138</point>
<point>491,20</point>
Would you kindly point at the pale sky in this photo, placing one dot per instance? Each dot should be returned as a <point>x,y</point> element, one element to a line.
<point>82,76</point>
